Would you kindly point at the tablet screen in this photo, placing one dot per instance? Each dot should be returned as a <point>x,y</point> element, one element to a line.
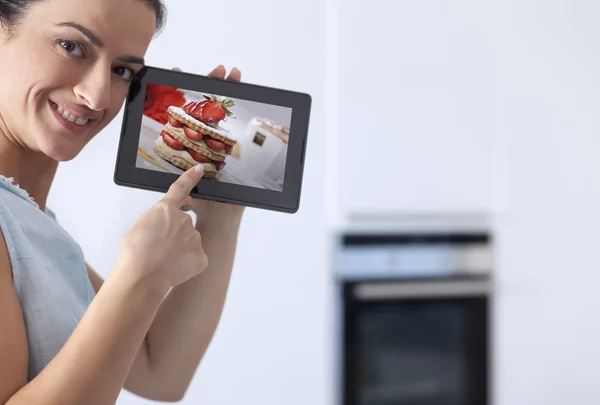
<point>239,141</point>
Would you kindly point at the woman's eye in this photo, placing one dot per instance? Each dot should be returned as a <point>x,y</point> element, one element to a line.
<point>125,73</point>
<point>72,47</point>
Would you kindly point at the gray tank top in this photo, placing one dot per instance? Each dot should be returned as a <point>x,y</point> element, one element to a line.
<point>49,274</point>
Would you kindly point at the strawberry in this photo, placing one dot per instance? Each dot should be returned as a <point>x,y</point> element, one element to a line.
<point>198,157</point>
<point>193,135</point>
<point>210,111</point>
<point>220,165</point>
<point>174,123</point>
<point>214,144</point>
<point>171,142</point>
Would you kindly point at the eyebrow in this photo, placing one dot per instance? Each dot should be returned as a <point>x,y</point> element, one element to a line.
<point>98,42</point>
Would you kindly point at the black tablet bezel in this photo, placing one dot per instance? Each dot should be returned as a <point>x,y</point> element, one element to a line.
<point>287,200</point>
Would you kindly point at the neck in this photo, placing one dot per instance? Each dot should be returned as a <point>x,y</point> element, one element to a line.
<point>32,171</point>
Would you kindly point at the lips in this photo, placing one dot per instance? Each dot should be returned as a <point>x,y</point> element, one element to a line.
<point>72,118</point>
<point>76,124</point>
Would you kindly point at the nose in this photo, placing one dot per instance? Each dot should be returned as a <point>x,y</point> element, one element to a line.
<point>93,89</point>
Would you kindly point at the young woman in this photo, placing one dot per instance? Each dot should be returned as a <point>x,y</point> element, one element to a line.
<point>67,336</point>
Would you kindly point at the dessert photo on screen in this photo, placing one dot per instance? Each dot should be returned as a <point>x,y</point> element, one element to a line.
<point>238,141</point>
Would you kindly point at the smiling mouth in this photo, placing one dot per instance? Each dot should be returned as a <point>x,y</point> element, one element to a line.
<point>74,119</point>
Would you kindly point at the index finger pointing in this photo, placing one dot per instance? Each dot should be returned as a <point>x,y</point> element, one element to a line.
<point>183,186</point>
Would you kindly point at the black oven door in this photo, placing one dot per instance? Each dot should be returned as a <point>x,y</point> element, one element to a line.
<point>416,343</point>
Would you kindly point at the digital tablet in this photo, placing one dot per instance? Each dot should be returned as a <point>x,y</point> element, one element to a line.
<point>251,139</point>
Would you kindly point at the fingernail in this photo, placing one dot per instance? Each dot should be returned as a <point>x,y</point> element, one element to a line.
<point>199,168</point>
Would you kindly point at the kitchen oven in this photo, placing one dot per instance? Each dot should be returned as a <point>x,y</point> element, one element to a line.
<point>413,318</point>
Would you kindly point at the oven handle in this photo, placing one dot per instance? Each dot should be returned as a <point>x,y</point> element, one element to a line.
<point>421,289</point>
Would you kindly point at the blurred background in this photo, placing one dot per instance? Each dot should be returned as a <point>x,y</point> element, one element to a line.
<point>445,248</point>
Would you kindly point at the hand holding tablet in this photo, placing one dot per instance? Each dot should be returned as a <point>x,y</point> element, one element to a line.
<point>250,139</point>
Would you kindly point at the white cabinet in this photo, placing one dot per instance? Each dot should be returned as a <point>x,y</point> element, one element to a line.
<point>415,107</point>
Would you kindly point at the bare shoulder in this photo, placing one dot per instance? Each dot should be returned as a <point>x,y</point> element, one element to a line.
<point>13,345</point>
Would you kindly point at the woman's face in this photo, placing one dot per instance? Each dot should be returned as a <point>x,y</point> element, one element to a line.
<point>65,72</point>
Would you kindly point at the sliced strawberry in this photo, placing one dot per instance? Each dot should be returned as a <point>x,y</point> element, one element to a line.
<point>228,149</point>
<point>215,145</point>
<point>212,112</point>
<point>174,123</point>
<point>192,108</point>
<point>171,142</point>
<point>198,157</point>
<point>193,135</point>
<point>220,165</point>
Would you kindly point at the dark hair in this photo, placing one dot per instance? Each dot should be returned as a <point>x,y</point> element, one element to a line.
<point>12,11</point>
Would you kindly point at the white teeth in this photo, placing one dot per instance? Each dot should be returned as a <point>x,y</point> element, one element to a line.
<point>70,117</point>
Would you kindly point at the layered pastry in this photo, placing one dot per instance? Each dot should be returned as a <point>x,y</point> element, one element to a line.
<point>192,135</point>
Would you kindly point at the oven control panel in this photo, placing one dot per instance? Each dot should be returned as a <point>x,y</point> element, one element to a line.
<point>406,255</point>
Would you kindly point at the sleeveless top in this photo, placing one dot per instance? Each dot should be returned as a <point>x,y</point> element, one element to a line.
<point>49,274</point>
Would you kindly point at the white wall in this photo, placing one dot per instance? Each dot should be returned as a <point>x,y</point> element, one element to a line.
<point>548,102</point>
<point>416,81</point>
<point>272,344</point>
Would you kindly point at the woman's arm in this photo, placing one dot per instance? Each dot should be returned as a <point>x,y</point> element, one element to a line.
<point>93,365</point>
<point>188,318</point>
<point>185,322</point>
<point>13,339</point>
